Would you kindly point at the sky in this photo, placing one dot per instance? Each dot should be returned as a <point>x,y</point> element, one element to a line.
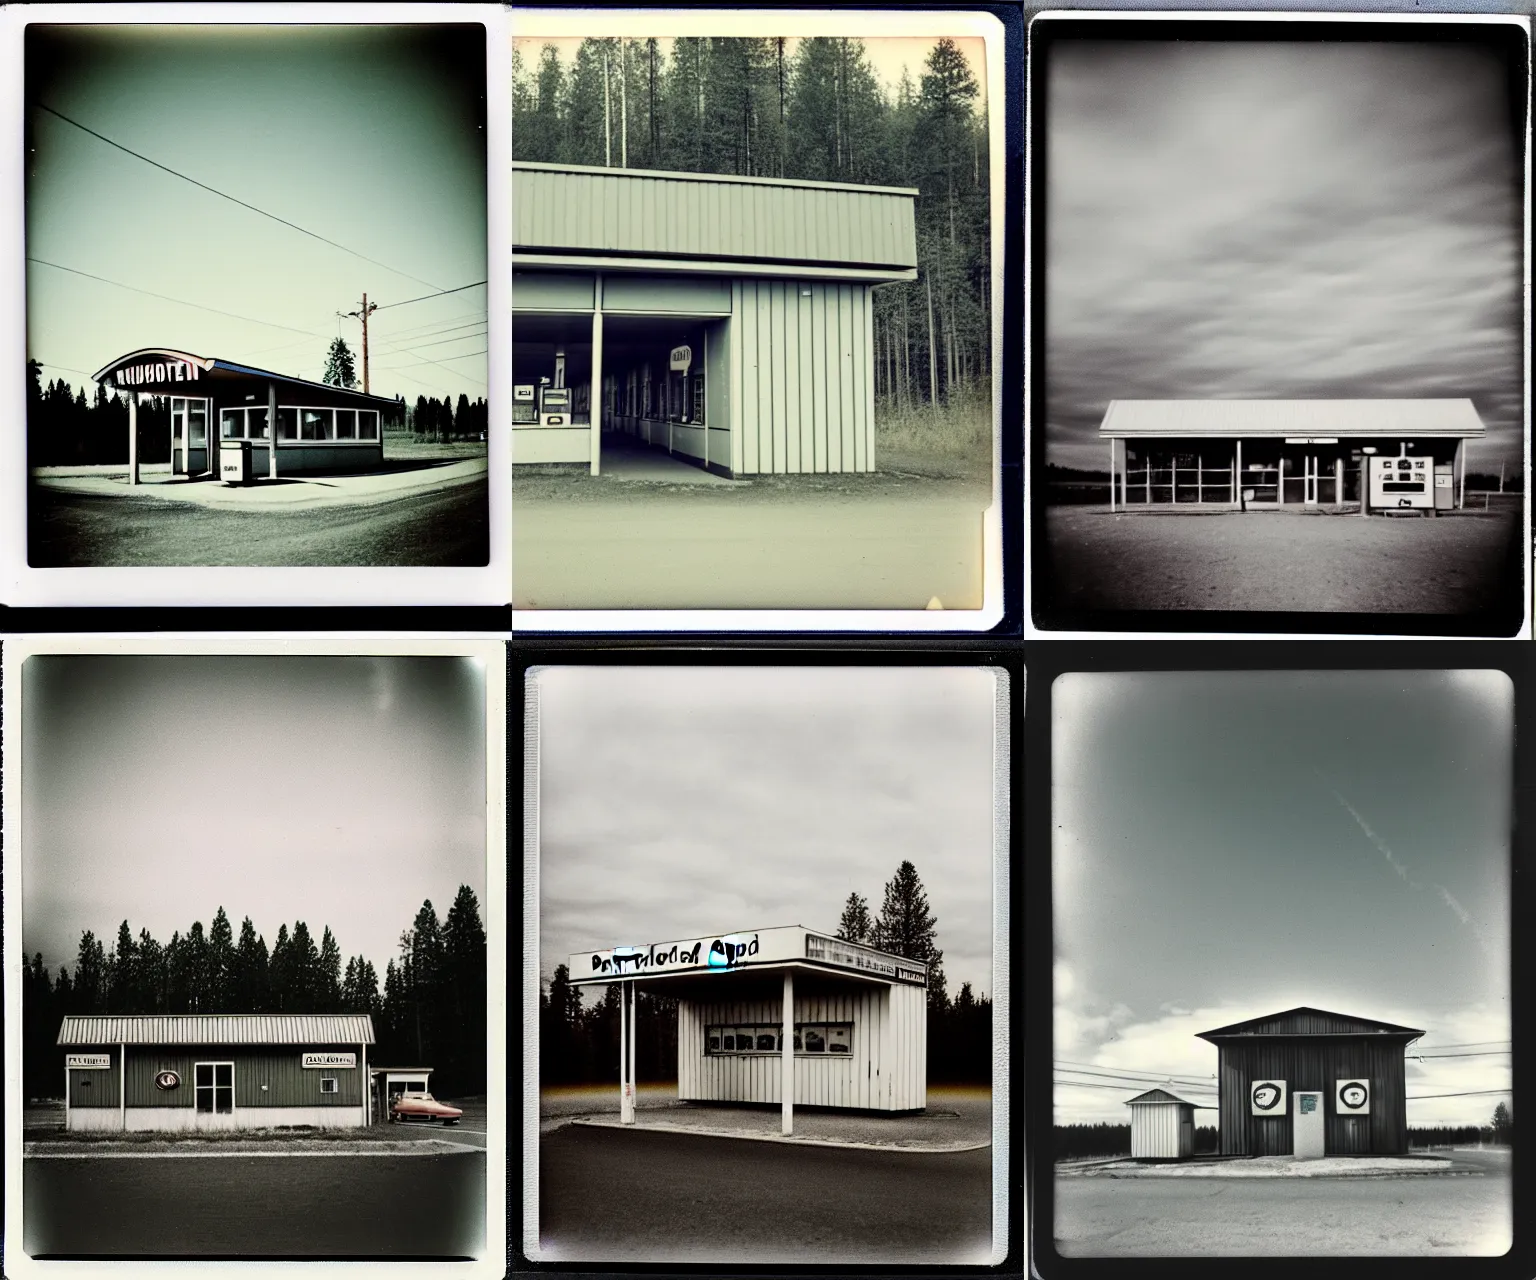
<point>372,137</point>
<point>340,791</point>
<point>887,55</point>
<point>1279,220</point>
<point>1236,844</point>
<point>680,801</point>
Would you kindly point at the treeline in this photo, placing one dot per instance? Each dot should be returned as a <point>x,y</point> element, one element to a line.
<point>64,428</point>
<point>579,1045</point>
<point>746,105</point>
<point>433,419</point>
<point>1084,1141</point>
<point>430,1011</point>
<point>1466,1135</point>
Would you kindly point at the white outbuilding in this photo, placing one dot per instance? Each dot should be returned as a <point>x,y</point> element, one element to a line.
<point>787,1016</point>
<point>1162,1126</point>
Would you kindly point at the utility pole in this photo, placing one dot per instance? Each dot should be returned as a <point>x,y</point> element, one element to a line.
<point>365,310</point>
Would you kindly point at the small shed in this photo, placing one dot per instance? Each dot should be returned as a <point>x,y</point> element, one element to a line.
<point>1162,1126</point>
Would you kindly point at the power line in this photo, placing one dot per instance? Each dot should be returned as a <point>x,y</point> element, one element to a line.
<point>236,200</point>
<point>1085,1084</point>
<point>469,318</point>
<point>1139,1077</point>
<point>1155,1075</point>
<point>439,363</point>
<point>384,306</point>
<point>1470,1093</point>
<point>1467,1044</point>
<point>1484,1053</point>
<point>181,302</point>
<point>408,348</point>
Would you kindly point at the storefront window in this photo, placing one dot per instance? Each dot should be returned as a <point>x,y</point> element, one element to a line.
<point>197,418</point>
<point>287,424</point>
<point>696,409</point>
<point>815,1039</point>
<point>315,424</point>
<point>231,424</point>
<point>346,424</point>
<point>256,424</point>
<point>367,424</point>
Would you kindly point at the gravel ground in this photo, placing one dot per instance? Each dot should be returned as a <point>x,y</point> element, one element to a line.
<point>1307,564</point>
<point>1277,1167</point>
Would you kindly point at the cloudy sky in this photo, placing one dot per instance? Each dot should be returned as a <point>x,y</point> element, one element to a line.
<point>1236,844</point>
<point>372,137</point>
<point>678,801</point>
<point>1279,220</point>
<point>340,791</point>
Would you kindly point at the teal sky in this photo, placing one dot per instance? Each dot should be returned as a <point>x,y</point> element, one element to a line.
<point>370,136</point>
<point>1234,844</point>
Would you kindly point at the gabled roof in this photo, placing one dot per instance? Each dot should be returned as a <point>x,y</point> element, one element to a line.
<point>219,1028</point>
<point>1342,419</point>
<point>1158,1095</point>
<point>1307,1021</point>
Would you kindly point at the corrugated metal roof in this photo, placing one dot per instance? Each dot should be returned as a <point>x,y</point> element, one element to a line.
<point>220,1028</point>
<point>646,213</point>
<point>1306,1021</point>
<point>1279,418</point>
<point>1158,1095</point>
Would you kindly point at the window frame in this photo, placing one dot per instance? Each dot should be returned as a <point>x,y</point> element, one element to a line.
<point>213,1087</point>
<point>333,1081</point>
<point>753,1029</point>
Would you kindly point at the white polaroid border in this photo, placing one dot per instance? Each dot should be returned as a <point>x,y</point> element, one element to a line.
<point>526,23</point>
<point>1003,783</point>
<point>20,584</point>
<point>491,655</point>
<point>1399,13</point>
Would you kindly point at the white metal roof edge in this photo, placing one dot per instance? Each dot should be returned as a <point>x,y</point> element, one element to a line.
<point>680,175</point>
<point>747,966</point>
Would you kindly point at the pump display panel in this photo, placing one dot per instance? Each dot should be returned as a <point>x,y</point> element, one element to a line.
<point>1402,482</point>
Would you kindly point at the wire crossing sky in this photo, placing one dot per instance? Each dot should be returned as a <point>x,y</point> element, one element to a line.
<point>207,188</point>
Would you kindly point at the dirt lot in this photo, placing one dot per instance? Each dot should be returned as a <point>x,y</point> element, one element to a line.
<point>1460,565</point>
<point>1463,1215</point>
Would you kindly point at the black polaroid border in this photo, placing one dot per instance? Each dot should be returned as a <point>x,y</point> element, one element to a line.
<point>1049,608</point>
<point>1008,240</point>
<point>1046,661</point>
<point>521,661</point>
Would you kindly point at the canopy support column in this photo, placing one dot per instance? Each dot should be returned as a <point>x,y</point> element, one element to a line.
<point>1461,474</point>
<point>624,1113</point>
<point>133,437</point>
<point>787,1056</point>
<point>1111,476</point>
<point>634,1034</point>
<point>595,391</point>
<point>122,1087</point>
<point>272,431</point>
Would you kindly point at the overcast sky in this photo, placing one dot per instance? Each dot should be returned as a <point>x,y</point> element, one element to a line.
<point>888,55</point>
<point>1238,844</point>
<point>1280,220</point>
<point>340,791</point>
<point>681,801</point>
<point>372,137</point>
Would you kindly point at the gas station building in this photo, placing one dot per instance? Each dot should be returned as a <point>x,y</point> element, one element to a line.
<point>725,320</point>
<point>1272,454</point>
<point>784,1015</point>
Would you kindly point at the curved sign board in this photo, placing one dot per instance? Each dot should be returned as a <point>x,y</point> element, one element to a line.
<point>682,358</point>
<point>175,372</point>
<point>1267,1097</point>
<point>1353,1097</point>
<point>88,1061</point>
<point>167,1080</point>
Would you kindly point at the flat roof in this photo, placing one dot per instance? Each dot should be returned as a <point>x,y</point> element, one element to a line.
<point>1305,419</point>
<point>684,175</point>
<point>218,1028</point>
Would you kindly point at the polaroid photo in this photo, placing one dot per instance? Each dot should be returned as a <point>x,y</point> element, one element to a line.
<point>766,964</point>
<point>1279,319</point>
<point>261,299</point>
<point>1280,998</point>
<point>255,939</point>
<point>756,319</point>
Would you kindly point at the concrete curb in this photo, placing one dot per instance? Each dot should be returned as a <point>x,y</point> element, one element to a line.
<point>946,1149</point>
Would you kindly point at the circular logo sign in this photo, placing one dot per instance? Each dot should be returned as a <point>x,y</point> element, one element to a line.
<point>1266,1097</point>
<point>1353,1095</point>
<point>167,1080</point>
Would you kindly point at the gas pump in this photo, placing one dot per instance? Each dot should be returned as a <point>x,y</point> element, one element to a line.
<point>525,403</point>
<point>554,406</point>
<point>1402,483</point>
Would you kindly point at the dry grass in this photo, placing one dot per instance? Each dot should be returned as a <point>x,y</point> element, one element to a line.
<point>403,445</point>
<point>951,440</point>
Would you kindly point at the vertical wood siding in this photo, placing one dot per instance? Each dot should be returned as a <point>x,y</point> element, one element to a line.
<point>883,1072</point>
<point>638,213</point>
<point>1314,1064</point>
<point>806,356</point>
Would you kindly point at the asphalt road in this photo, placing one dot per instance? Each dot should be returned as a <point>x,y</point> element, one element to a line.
<point>639,549</point>
<point>1428,1216</point>
<point>257,1207</point>
<point>611,1196</point>
<point>442,528</point>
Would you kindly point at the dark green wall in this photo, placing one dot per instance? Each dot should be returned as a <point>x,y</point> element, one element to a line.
<point>288,1083</point>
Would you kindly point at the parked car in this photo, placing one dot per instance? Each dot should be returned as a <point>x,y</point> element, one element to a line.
<point>423,1106</point>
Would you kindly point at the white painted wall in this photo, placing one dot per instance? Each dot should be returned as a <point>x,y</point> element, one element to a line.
<point>186,1119</point>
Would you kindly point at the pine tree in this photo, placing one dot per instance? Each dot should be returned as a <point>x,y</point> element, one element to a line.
<point>150,987</point>
<point>303,970</point>
<point>905,928</point>
<point>329,975</point>
<point>250,984</point>
<point>855,926</point>
<point>90,976</point>
<point>121,983</point>
<point>280,971</point>
<point>339,368</point>
<point>221,965</point>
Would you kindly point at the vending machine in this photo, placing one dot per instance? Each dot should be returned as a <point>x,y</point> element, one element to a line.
<point>525,403</point>
<point>1402,483</point>
<point>554,406</point>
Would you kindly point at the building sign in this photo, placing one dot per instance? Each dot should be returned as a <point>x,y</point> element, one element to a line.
<point>682,357</point>
<point>850,955</point>
<point>719,953</point>
<point>1354,1097</point>
<point>167,1080</point>
<point>1267,1097</point>
<point>155,372</point>
<point>88,1061</point>
<point>330,1059</point>
<point>1311,439</point>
